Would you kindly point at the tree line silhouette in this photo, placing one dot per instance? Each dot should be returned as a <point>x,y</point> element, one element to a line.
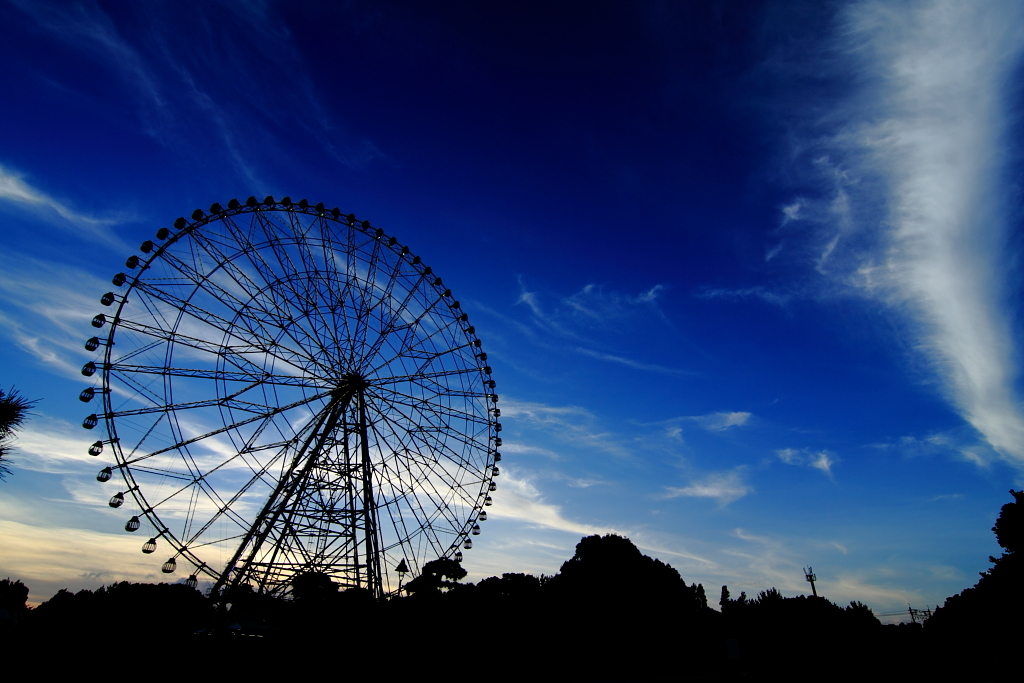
<point>610,613</point>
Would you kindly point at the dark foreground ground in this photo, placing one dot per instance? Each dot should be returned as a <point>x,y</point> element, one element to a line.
<point>610,614</point>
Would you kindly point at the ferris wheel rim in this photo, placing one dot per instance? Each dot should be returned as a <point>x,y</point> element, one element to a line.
<point>128,465</point>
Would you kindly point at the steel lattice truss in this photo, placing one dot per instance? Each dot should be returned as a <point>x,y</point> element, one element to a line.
<point>286,389</point>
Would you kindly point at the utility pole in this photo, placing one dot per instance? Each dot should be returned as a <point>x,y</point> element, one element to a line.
<point>922,614</point>
<point>809,575</point>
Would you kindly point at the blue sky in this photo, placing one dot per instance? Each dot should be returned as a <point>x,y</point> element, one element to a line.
<point>748,274</point>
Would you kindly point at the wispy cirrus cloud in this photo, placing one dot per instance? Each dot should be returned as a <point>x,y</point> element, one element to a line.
<point>16,191</point>
<point>630,363</point>
<point>766,294</point>
<point>779,562</point>
<point>718,422</point>
<point>46,309</point>
<point>712,422</point>
<point>724,487</point>
<point>207,94</point>
<point>595,316</point>
<point>521,500</point>
<point>49,558</point>
<point>916,216</point>
<point>593,306</point>
<point>600,304</point>
<point>528,449</point>
<point>571,424</point>
<point>822,460</point>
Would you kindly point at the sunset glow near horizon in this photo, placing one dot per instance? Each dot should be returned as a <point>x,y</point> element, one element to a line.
<point>748,275</point>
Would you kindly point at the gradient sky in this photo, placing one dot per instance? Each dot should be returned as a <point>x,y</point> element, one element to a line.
<point>748,273</point>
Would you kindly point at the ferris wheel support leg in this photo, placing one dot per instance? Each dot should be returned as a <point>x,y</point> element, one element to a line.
<point>373,576</point>
<point>278,500</point>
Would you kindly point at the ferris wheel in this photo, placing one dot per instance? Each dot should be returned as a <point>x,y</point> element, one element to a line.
<point>284,390</point>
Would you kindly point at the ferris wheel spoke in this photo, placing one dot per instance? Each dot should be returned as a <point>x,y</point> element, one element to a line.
<point>271,306</point>
<point>463,465</point>
<point>226,507</point>
<point>397,521</point>
<point>423,406</point>
<point>440,502</point>
<point>225,260</point>
<point>196,479</point>
<point>215,374</point>
<point>141,391</point>
<point>143,349</point>
<point>378,301</point>
<point>420,511</point>
<point>308,260</point>
<point>205,281</point>
<point>426,358</point>
<point>392,325</point>
<point>405,447</point>
<point>223,325</point>
<point>192,405</point>
<point>437,497</point>
<point>269,309</point>
<point>334,284</point>
<point>198,313</point>
<point>162,335</point>
<point>268,415</point>
<point>396,379</point>
<point>430,393</point>
<point>284,313</point>
<point>292,275</point>
<point>367,285</point>
<point>358,289</point>
<point>422,436</point>
<point>410,331</point>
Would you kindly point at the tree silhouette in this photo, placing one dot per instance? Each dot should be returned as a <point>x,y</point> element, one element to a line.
<point>122,609</point>
<point>313,587</point>
<point>436,574</point>
<point>612,566</point>
<point>987,608</point>
<point>13,598</point>
<point>1009,528</point>
<point>510,586</point>
<point>14,409</point>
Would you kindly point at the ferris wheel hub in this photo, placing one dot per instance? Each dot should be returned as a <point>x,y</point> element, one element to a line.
<point>349,384</point>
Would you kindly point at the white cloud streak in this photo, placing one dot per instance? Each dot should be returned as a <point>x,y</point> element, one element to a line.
<point>46,309</point>
<point>570,424</point>
<point>521,500</point>
<point>945,66</point>
<point>719,422</point>
<point>821,460</point>
<point>725,487</point>
<point>630,363</point>
<point>181,95</point>
<point>712,422</point>
<point>765,294</point>
<point>925,138</point>
<point>15,191</point>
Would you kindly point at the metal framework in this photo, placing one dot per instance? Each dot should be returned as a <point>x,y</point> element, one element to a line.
<point>286,390</point>
<point>811,577</point>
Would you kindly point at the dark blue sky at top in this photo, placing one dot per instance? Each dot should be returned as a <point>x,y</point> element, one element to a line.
<point>528,151</point>
<point>634,142</point>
